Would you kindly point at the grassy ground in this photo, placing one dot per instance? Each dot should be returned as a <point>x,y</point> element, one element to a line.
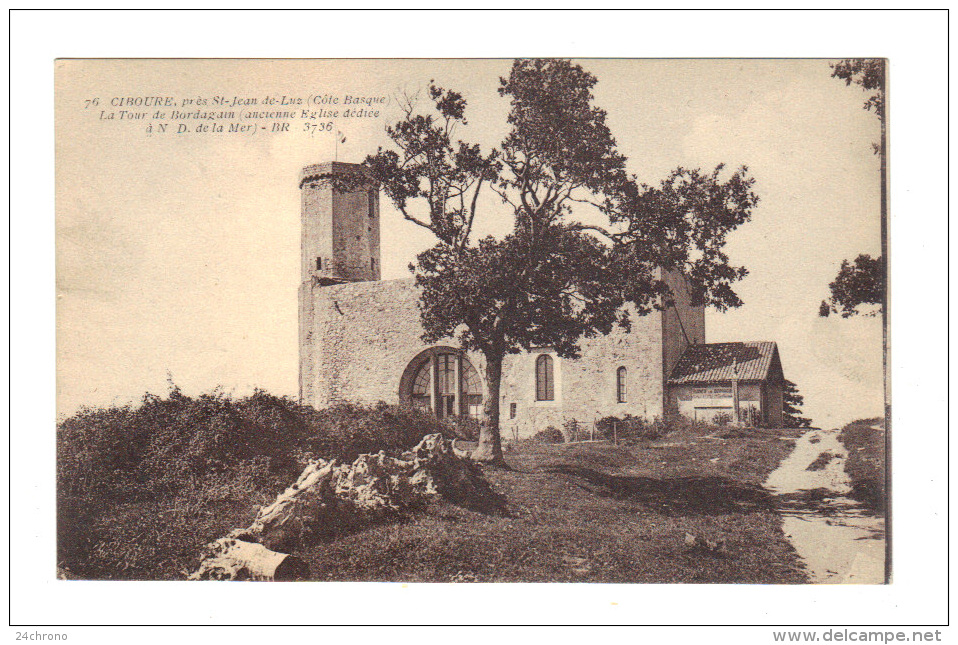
<point>595,513</point>
<point>822,460</point>
<point>142,488</point>
<point>865,442</point>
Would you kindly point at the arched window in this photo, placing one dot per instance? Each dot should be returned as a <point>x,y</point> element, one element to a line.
<point>432,382</point>
<point>621,391</point>
<point>545,384</point>
<point>471,391</point>
<point>420,387</point>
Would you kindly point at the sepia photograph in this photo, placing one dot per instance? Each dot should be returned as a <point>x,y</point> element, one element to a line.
<point>323,321</point>
<point>473,320</point>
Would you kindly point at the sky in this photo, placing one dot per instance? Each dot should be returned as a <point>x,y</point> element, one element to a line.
<point>178,254</point>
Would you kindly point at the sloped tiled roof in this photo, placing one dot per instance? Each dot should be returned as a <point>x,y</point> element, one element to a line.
<point>716,362</point>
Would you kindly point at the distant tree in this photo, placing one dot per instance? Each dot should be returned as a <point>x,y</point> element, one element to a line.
<point>793,402</point>
<point>861,282</point>
<point>552,279</point>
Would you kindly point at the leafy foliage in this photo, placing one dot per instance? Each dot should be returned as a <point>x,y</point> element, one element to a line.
<point>629,428</point>
<point>869,74</point>
<point>141,488</point>
<point>859,283</point>
<point>559,141</point>
<point>549,435</point>
<point>462,427</point>
<point>792,407</point>
<point>683,225</point>
<point>556,277</point>
<point>504,296</point>
<point>863,281</point>
<point>431,166</point>
<point>722,419</point>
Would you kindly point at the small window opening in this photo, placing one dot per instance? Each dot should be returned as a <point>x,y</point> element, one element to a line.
<point>512,410</point>
<point>319,264</point>
<point>545,386</point>
<point>621,391</point>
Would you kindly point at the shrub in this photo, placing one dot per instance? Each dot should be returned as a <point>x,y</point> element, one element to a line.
<point>549,435</point>
<point>465,428</point>
<point>134,453</point>
<point>722,419</point>
<point>347,430</point>
<point>737,433</point>
<point>572,430</point>
<point>630,428</point>
<point>141,488</point>
<point>865,442</point>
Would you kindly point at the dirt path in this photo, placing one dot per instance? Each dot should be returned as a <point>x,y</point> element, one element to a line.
<point>839,541</point>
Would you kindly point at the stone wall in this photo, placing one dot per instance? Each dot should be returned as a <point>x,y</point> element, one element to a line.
<point>340,230</point>
<point>585,388</point>
<point>317,232</point>
<point>356,340</point>
<point>682,324</point>
<point>356,234</point>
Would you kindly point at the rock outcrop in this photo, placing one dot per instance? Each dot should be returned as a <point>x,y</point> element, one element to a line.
<point>330,498</point>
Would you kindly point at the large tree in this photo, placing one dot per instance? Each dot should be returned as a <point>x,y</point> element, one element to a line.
<point>560,274</point>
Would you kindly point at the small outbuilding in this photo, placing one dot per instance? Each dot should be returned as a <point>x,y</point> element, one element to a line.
<point>740,383</point>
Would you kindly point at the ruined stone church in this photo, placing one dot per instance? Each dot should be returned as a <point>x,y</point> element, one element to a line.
<point>360,341</point>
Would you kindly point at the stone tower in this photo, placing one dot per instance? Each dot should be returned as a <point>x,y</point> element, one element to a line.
<point>340,224</point>
<point>339,245</point>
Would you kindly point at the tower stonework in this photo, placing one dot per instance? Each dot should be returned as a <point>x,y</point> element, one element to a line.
<point>340,224</point>
<point>339,244</point>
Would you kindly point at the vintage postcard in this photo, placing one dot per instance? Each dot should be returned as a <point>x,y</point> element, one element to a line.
<point>472,320</point>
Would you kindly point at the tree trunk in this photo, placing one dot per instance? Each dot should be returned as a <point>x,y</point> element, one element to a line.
<point>238,560</point>
<point>490,440</point>
<point>329,501</point>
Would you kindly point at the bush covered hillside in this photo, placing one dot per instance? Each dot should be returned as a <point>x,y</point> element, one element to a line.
<point>865,442</point>
<point>141,488</point>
